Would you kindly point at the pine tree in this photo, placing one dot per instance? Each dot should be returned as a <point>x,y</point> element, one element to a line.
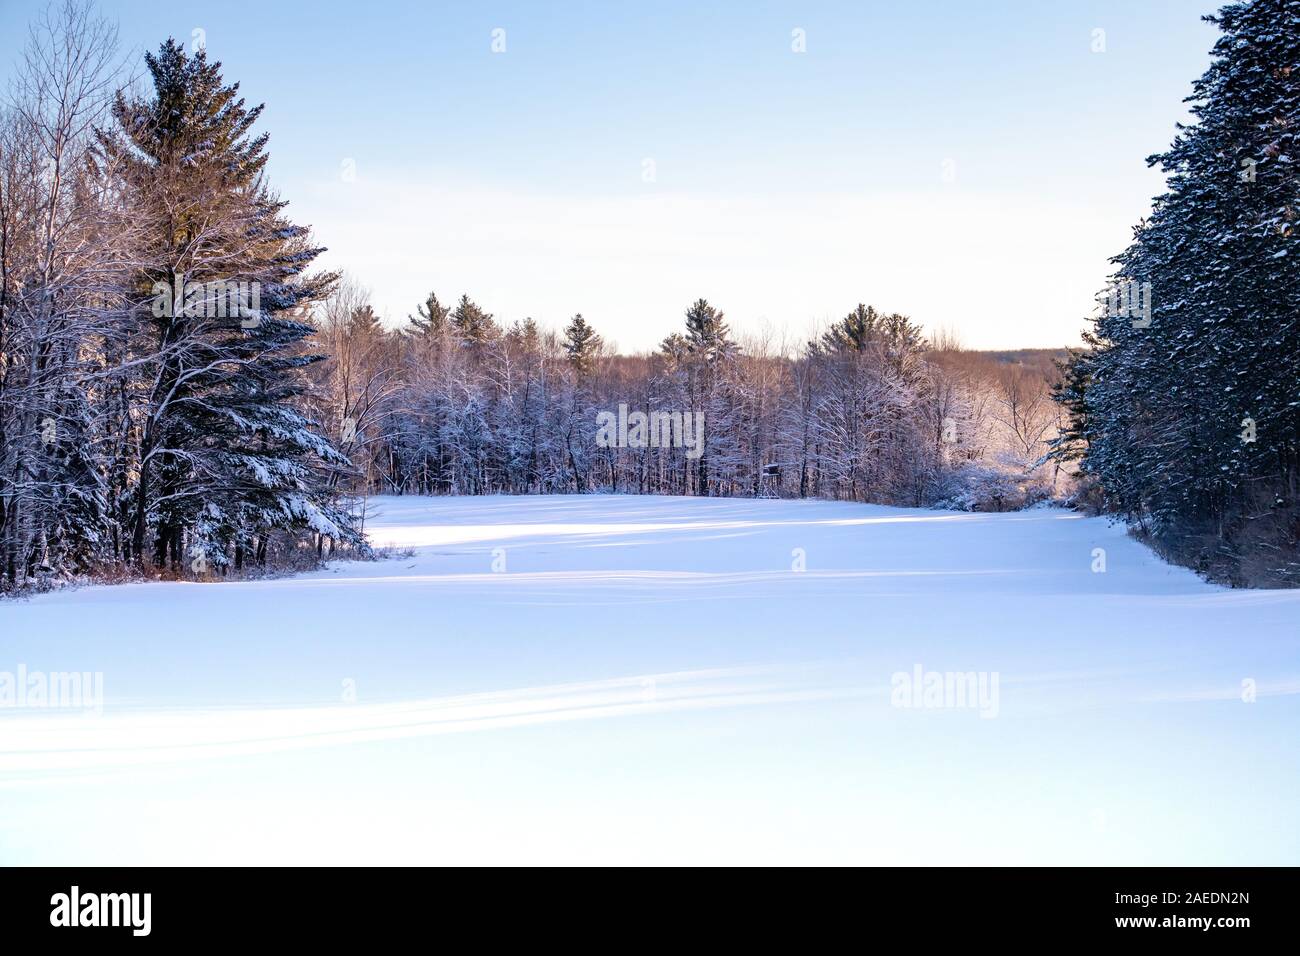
<point>706,332</point>
<point>224,455</point>
<point>431,318</point>
<point>709,345</point>
<point>853,333</point>
<point>1070,391</point>
<point>675,349</point>
<point>581,345</point>
<point>1192,409</point>
<point>474,326</point>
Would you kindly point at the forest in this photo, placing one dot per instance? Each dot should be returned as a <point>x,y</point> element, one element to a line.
<point>183,394</point>
<point>1185,412</point>
<point>456,403</point>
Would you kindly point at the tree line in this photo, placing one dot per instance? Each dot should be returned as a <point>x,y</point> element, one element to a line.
<point>455,402</point>
<point>181,393</point>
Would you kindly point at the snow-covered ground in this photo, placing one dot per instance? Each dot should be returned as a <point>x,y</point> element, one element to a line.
<point>654,680</point>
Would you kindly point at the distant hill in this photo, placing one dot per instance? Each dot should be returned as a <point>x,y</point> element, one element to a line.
<point>995,361</point>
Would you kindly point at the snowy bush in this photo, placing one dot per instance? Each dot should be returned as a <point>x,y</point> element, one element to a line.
<point>979,487</point>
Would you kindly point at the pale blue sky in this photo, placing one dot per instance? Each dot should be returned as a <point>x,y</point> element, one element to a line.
<point>971,164</point>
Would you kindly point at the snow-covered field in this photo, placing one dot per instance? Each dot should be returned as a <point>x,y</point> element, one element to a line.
<point>654,680</point>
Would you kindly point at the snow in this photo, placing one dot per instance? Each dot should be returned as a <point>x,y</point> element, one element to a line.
<point>648,680</point>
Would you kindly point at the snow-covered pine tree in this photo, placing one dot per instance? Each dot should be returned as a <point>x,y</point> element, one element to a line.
<point>225,457</point>
<point>581,345</point>
<point>707,334</point>
<point>430,319</point>
<point>475,327</point>
<point>709,345</point>
<point>1070,392</point>
<point>1193,419</point>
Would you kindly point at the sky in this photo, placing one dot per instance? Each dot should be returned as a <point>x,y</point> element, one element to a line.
<point>972,165</point>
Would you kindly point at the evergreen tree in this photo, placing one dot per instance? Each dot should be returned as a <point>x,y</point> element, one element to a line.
<point>430,319</point>
<point>581,345</point>
<point>1070,391</point>
<point>224,455</point>
<point>674,348</point>
<point>474,326</point>
<point>706,332</point>
<point>1192,408</point>
<point>853,333</point>
<point>708,344</point>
